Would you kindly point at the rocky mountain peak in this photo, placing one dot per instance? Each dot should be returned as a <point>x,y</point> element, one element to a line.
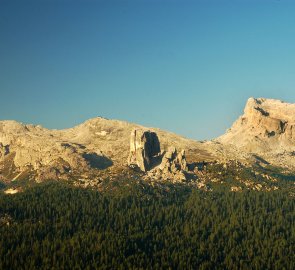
<point>267,127</point>
<point>272,108</point>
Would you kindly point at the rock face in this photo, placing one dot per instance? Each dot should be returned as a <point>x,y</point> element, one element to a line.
<point>144,149</point>
<point>146,154</point>
<point>27,148</point>
<point>173,165</point>
<point>267,125</point>
<point>264,134</point>
<point>173,161</point>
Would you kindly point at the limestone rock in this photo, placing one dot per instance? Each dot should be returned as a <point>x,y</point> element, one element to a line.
<point>173,166</point>
<point>146,154</point>
<point>48,154</point>
<point>173,161</point>
<point>33,152</point>
<point>144,149</point>
<point>267,125</point>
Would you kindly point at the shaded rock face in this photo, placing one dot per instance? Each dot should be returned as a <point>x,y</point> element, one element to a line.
<point>144,149</point>
<point>4,149</point>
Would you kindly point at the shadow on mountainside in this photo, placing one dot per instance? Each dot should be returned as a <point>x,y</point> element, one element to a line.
<point>261,160</point>
<point>97,162</point>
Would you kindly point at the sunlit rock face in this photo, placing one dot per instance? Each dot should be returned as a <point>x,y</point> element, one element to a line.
<point>267,125</point>
<point>48,153</point>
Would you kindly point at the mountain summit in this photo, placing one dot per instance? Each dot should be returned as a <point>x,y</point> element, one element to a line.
<point>266,128</point>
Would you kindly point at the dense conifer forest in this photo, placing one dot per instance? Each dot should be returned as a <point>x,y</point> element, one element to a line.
<point>136,226</point>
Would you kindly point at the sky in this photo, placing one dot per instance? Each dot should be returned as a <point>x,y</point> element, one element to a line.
<point>184,66</point>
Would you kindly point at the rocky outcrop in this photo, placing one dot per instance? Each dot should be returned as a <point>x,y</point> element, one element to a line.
<point>267,125</point>
<point>264,134</point>
<point>144,149</point>
<point>173,165</point>
<point>173,161</point>
<point>145,153</point>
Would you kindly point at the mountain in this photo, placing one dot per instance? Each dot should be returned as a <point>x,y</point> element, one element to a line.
<point>147,198</point>
<point>100,149</point>
<point>267,129</point>
<point>97,144</point>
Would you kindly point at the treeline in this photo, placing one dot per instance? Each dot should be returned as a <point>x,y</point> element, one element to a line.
<point>56,226</point>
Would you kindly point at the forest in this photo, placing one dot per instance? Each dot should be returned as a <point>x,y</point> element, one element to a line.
<point>136,226</point>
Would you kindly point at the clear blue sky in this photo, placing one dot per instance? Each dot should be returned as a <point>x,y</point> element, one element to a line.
<point>183,66</point>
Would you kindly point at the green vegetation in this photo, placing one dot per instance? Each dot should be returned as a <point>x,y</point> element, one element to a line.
<point>135,226</point>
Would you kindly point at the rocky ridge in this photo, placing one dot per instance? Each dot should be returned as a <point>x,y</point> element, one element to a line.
<point>100,148</point>
<point>96,147</point>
